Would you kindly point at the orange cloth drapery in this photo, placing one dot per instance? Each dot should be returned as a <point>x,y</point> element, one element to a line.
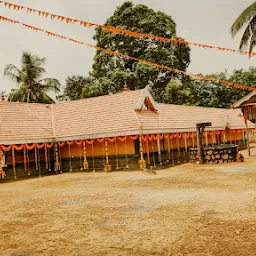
<point>90,142</point>
<point>6,148</point>
<point>122,139</point>
<point>62,144</point>
<point>112,140</point>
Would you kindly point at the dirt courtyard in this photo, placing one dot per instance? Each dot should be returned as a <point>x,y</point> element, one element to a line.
<point>186,210</point>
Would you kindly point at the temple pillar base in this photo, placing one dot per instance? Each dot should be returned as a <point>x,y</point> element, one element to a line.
<point>108,168</point>
<point>85,165</point>
<point>142,164</point>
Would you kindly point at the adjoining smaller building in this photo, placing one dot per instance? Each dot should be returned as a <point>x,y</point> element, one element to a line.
<point>120,131</point>
<point>248,106</point>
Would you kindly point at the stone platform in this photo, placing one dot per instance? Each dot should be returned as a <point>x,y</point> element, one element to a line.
<point>216,154</point>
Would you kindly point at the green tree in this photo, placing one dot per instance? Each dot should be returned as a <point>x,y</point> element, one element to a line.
<point>91,91</point>
<point>31,86</point>
<point>215,94</point>
<point>74,86</point>
<point>248,18</point>
<point>119,70</point>
<point>176,93</point>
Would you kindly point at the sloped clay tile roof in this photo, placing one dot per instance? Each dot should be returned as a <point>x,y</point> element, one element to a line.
<point>25,122</point>
<point>105,116</point>
<point>248,99</point>
<point>184,118</point>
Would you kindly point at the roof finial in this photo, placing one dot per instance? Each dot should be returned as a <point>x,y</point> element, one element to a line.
<point>125,87</point>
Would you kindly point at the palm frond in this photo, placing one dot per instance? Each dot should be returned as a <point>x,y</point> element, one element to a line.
<point>50,84</point>
<point>32,66</point>
<point>252,43</point>
<point>248,34</point>
<point>245,38</point>
<point>12,72</point>
<point>47,99</point>
<point>244,17</point>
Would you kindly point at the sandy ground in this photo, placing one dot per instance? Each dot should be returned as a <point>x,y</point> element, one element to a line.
<point>186,210</point>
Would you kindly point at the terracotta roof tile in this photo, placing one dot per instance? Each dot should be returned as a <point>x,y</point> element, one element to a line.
<point>22,121</point>
<point>100,115</point>
<point>104,116</point>
<point>179,117</point>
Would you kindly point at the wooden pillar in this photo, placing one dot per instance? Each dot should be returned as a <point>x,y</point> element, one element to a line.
<point>2,173</point>
<point>142,162</point>
<point>147,145</point>
<point>13,163</point>
<point>108,167</point>
<point>85,164</point>
<point>247,131</point>
<point>70,157</point>
<point>169,147</point>
<point>200,152</point>
<point>185,142</point>
<point>36,157</point>
<point>159,150</point>
<point>46,157</point>
<point>243,138</point>
<point>25,158</point>
<point>185,147</point>
<point>178,147</point>
<point>39,163</point>
<point>57,164</point>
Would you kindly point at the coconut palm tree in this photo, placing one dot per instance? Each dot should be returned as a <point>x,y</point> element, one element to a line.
<point>31,86</point>
<point>248,18</point>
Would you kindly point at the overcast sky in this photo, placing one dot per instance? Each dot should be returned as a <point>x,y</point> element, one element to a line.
<point>201,21</point>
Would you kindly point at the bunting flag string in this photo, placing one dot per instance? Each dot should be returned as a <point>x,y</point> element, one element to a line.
<point>116,53</point>
<point>115,30</point>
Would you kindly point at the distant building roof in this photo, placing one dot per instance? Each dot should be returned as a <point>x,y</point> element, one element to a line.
<point>249,99</point>
<point>126,113</point>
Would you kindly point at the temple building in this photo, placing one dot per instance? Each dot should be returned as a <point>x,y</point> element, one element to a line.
<point>127,130</point>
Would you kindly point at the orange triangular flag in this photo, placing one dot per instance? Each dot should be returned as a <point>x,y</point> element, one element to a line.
<point>122,31</point>
<point>68,20</point>
<point>53,16</point>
